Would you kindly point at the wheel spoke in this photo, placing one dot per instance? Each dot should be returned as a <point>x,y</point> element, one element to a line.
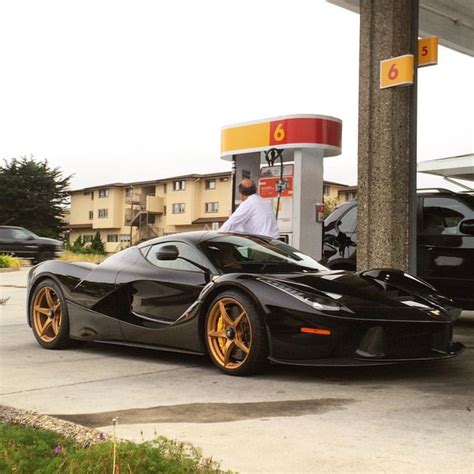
<point>56,323</point>
<point>40,310</point>
<point>47,325</point>
<point>49,297</point>
<point>240,344</point>
<point>225,316</point>
<point>229,346</point>
<point>238,319</point>
<point>217,333</point>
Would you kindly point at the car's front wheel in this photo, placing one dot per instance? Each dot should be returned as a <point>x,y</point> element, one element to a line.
<point>49,316</point>
<point>235,335</point>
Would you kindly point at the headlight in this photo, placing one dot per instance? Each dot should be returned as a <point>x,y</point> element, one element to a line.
<point>315,301</point>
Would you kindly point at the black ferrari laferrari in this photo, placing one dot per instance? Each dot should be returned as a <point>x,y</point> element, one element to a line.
<point>245,301</point>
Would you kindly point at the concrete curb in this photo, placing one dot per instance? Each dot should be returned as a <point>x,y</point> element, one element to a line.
<point>7,270</point>
<point>81,434</point>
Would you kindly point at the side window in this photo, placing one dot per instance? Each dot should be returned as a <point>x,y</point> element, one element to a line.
<point>348,222</point>
<point>442,215</point>
<point>19,234</point>
<point>185,250</point>
<point>6,233</point>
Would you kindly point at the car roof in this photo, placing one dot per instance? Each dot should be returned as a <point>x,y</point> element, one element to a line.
<point>194,237</point>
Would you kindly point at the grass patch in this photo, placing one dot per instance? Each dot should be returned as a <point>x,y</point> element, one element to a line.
<point>69,256</point>
<point>7,261</point>
<point>27,450</point>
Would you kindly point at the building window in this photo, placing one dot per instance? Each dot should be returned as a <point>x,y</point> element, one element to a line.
<point>179,185</point>
<point>224,180</point>
<point>128,192</point>
<point>92,195</point>
<point>102,213</point>
<point>210,184</point>
<point>151,218</point>
<point>178,208</point>
<point>91,215</point>
<point>124,237</point>
<point>86,193</point>
<point>326,190</point>
<point>87,238</point>
<point>165,188</point>
<point>212,207</point>
<point>164,210</point>
<point>103,193</point>
<point>112,237</point>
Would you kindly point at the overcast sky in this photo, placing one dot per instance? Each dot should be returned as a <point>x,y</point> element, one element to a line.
<point>136,90</point>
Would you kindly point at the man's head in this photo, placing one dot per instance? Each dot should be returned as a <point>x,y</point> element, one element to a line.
<point>247,188</point>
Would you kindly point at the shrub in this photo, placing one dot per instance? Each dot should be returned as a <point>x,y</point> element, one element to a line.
<point>7,261</point>
<point>69,256</point>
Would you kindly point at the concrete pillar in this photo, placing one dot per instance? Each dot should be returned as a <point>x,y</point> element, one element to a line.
<point>386,230</point>
<point>307,191</point>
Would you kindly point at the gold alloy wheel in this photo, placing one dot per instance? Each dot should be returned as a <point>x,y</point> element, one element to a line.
<point>229,333</point>
<point>47,315</point>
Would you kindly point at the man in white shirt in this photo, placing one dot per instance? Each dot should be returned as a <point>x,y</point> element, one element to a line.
<point>253,216</point>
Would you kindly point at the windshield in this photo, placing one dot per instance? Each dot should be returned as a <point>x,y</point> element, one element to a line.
<point>236,254</point>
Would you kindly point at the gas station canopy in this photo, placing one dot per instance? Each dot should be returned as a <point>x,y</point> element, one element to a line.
<point>451,20</point>
<point>458,167</point>
<point>285,132</point>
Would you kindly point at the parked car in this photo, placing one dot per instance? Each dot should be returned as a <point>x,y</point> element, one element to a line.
<point>445,244</point>
<point>242,299</point>
<point>25,244</point>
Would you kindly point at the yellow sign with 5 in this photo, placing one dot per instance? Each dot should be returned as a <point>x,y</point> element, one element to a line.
<point>428,51</point>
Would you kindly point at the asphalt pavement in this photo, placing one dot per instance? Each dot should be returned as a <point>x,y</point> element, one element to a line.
<point>407,418</point>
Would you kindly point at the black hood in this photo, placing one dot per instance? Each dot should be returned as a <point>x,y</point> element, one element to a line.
<point>376,294</point>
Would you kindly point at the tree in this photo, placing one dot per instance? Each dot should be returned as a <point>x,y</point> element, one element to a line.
<point>97,246</point>
<point>330,204</point>
<point>33,195</point>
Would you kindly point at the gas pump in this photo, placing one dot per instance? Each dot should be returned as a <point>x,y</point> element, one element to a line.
<point>284,156</point>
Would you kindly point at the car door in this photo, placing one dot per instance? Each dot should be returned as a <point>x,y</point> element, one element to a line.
<point>160,292</point>
<point>445,253</point>
<point>17,241</point>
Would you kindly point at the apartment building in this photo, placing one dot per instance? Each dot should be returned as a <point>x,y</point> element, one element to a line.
<point>133,212</point>
<point>127,213</point>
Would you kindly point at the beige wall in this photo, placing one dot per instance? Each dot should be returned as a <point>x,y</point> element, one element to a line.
<point>194,197</point>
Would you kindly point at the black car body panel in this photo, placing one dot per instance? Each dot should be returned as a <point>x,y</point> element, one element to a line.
<point>26,245</point>
<point>377,317</point>
<point>445,245</point>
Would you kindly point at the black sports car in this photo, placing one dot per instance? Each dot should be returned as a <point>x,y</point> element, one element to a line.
<point>244,300</point>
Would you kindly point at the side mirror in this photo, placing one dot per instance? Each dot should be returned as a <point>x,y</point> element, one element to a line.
<point>167,252</point>
<point>467,226</point>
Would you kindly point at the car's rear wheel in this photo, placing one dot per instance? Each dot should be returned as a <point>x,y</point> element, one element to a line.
<point>235,335</point>
<point>49,316</point>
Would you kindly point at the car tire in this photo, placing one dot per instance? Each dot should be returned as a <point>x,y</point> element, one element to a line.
<point>235,335</point>
<point>49,316</point>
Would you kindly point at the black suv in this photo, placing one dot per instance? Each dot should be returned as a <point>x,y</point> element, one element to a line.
<point>24,244</point>
<point>445,243</point>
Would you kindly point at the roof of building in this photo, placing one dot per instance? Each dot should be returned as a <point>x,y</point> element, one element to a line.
<point>154,181</point>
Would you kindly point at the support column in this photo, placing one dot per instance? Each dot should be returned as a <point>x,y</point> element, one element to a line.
<point>307,191</point>
<point>386,228</point>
